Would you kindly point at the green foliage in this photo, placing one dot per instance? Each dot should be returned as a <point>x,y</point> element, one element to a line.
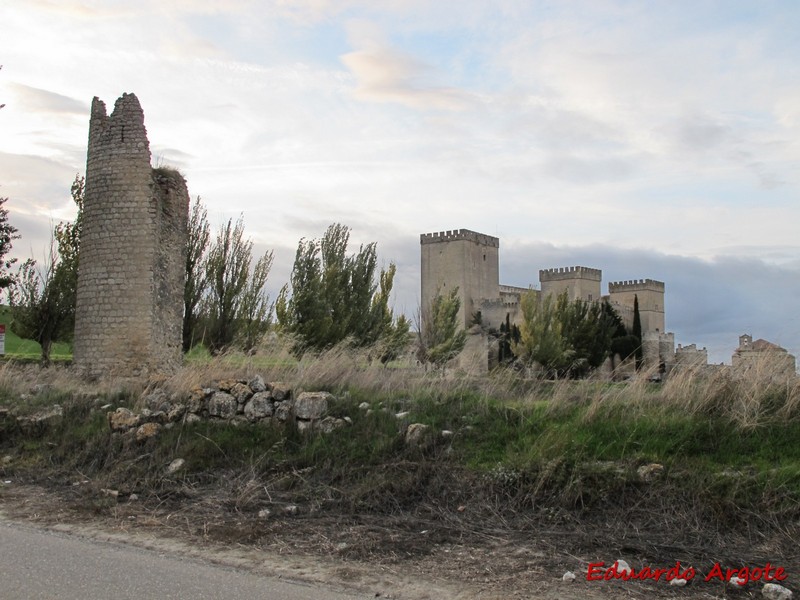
<point>27,349</point>
<point>567,338</point>
<point>541,334</point>
<point>196,281</point>
<point>41,303</point>
<point>68,239</point>
<point>8,233</point>
<point>636,331</point>
<point>396,341</point>
<point>509,335</point>
<point>236,307</point>
<point>254,310</point>
<point>334,296</point>
<point>439,336</point>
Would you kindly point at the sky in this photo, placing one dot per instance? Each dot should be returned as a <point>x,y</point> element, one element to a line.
<point>647,139</point>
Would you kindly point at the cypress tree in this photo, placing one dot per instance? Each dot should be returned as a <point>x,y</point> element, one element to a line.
<point>637,331</point>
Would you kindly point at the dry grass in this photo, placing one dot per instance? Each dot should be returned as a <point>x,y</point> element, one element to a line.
<point>756,398</point>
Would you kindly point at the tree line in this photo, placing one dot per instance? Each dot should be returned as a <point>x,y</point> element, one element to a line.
<point>333,297</point>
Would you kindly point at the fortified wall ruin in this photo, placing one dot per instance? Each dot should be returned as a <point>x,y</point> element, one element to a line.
<point>131,276</point>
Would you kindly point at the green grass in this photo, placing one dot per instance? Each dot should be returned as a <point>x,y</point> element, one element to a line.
<point>566,443</point>
<point>20,348</point>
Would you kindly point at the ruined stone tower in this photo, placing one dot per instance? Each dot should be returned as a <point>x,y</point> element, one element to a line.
<point>464,259</point>
<point>132,257</point>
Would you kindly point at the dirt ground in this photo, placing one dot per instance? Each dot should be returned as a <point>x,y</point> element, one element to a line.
<point>402,556</point>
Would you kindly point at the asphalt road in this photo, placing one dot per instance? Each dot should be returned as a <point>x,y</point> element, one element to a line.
<point>38,564</point>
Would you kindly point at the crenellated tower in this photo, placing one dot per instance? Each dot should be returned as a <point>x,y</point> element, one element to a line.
<point>464,259</point>
<point>579,282</point>
<point>650,294</point>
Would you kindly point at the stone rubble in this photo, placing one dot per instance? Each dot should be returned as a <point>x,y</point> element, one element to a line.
<point>233,401</point>
<point>773,591</point>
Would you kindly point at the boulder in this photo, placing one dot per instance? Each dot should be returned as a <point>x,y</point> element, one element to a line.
<point>259,406</point>
<point>197,401</point>
<point>176,413</point>
<point>156,400</point>
<point>283,411</point>
<point>418,434</point>
<point>123,419</point>
<point>175,466</point>
<point>305,427</point>
<point>257,384</point>
<point>225,385</point>
<point>191,418</point>
<point>329,424</point>
<point>147,431</point>
<point>241,392</point>
<point>312,405</point>
<point>650,472</point>
<point>280,390</point>
<point>773,591</point>
<point>222,405</point>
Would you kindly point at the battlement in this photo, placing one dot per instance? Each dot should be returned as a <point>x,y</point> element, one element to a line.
<point>634,285</point>
<point>562,273</point>
<point>497,302</point>
<point>513,289</point>
<point>459,234</point>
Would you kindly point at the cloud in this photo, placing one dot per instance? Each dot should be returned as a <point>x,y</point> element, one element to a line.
<point>37,100</point>
<point>387,76</point>
<point>587,171</point>
<point>384,74</point>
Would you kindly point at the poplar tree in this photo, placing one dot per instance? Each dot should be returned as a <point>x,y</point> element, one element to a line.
<point>231,302</point>
<point>8,233</point>
<point>196,277</point>
<point>333,296</point>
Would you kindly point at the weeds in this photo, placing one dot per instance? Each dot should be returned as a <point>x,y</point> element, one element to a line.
<point>728,443</point>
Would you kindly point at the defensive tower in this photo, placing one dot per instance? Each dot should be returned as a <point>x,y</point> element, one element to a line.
<point>580,282</point>
<point>650,293</point>
<point>464,259</point>
<point>133,245</point>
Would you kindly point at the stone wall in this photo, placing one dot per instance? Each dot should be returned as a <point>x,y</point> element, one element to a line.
<point>133,244</point>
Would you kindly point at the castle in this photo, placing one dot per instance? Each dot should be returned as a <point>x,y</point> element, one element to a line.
<point>469,261</point>
<point>132,270</point>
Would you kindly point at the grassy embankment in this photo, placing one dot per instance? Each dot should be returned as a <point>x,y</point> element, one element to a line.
<point>728,446</point>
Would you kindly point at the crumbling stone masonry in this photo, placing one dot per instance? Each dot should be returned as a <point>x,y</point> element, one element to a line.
<point>133,246</point>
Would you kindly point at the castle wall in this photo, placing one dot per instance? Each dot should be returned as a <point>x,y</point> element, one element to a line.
<point>462,258</point>
<point>579,282</point>
<point>651,302</point>
<point>691,357</point>
<point>658,349</point>
<point>133,240</point>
